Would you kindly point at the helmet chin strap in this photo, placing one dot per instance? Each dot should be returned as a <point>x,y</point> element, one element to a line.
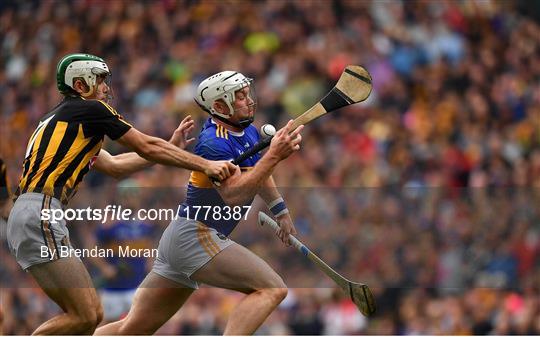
<point>88,93</point>
<point>108,97</point>
<point>244,123</point>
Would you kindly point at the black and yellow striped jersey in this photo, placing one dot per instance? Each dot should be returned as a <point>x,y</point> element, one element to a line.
<point>61,149</point>
<point>4,186</point>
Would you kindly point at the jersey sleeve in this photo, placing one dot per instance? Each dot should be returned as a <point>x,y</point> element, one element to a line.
<point>104,119</point>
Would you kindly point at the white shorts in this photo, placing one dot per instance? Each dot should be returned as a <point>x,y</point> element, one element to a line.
<point>33,240</point>
<point>185,246</point>
<point>116,303</point>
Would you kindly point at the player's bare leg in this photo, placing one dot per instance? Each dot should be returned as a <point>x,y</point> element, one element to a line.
<point>238,268</point>
<point>157,299</point>
<point>67,282</point>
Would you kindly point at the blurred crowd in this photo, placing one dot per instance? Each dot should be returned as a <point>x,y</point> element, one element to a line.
<point>429,191</point>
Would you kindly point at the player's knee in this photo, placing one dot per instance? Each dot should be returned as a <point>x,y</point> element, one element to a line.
<point>276,289</point>
<point>90,318</point>
<point>279,288</point>
<point>275,295</point>
<point>86,323</point>
<point>280,294</point>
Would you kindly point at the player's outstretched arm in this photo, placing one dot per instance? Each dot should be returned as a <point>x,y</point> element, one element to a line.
<point>241,188</point>
<point>122,165</point>
<point>125,164</point>
<point>160,151</point>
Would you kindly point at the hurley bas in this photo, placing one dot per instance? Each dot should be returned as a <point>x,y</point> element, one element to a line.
<point>121,251</point>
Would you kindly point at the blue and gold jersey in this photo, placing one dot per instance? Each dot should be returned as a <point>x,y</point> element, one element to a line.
<point>217,143</point>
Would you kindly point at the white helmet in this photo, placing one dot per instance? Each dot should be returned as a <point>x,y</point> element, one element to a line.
<point>223,86</point>
<point>89,70</point>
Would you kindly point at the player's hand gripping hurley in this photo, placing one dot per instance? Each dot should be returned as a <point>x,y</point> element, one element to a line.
<point>353,86</point>
<point>359,293</point>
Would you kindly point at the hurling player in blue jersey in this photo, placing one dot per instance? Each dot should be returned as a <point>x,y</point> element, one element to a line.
<point>122,275</point>
<point>195,247</point>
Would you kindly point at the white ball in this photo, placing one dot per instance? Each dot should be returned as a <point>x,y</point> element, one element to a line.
<point>268,130</point>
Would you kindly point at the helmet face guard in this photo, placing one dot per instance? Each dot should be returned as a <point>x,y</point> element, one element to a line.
<point>229,96</point>
<point>107,78</point>
<point>244,123</point>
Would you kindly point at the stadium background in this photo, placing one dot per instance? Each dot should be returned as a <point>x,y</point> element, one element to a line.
<point>429,191</point>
